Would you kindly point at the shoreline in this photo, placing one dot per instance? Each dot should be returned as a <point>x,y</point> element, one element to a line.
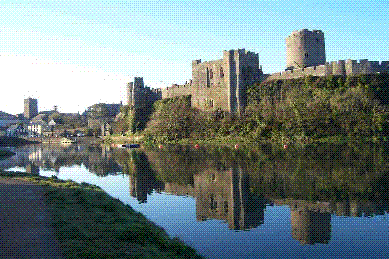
<point>239,142</point>
<point>87,222</point>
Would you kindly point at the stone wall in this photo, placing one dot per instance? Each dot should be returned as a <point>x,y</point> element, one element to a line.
<point>30,108</point>
<point>177,90</point>
<point>139,95</point>
<point>341,67</point>
<point>220,84</point>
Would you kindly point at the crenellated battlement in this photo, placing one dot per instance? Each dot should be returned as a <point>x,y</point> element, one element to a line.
<point>340,67</point>
<point>140,95</point>
<point>177,90</point>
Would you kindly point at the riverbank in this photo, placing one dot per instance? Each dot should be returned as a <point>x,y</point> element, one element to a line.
<point>119,139</point>
<point>87,222</point>
<point>14,142</point>
<point>244,142</point>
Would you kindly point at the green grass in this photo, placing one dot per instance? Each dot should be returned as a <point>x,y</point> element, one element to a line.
<point>229,141</point>
<point>89,223</point>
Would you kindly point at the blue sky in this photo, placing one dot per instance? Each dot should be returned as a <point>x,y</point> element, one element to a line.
<point>76,53</point>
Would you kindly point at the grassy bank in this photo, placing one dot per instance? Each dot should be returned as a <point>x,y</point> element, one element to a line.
<point>88,223</point>
<point>118,139</point>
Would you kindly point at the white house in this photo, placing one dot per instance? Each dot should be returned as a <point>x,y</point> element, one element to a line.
<point>16,130</point>
<point>38,129</point>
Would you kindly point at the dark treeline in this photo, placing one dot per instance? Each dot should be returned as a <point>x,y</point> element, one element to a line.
<point>282,110</point>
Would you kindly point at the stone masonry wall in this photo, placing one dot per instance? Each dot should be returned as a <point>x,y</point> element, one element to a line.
<point>140,95</point>
<point>341,67</point>
<point>305,48</point>
<point>220,84</point>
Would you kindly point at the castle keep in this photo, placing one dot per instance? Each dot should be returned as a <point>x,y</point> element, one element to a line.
<point>305,48</point>
<point>220,84</point>
<point>305,55</point>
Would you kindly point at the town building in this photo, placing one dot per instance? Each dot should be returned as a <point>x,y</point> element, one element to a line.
<point>39,129</point>
<point>30,108</point>
<point>17,130</point>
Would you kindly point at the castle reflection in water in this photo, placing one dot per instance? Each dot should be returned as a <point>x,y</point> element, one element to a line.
<point>222,190</point>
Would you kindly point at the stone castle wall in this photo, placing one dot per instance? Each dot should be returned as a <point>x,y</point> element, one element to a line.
<point>177,90</point>
<point>341,67</point>
<point>140,95</point>
<point>220,84</point>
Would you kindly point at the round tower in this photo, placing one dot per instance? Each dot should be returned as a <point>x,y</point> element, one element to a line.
<point>305,48</point>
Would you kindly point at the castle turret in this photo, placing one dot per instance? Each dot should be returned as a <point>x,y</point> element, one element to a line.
<point>305,48</point>
<point>137,94</point>
<point>130,87</point>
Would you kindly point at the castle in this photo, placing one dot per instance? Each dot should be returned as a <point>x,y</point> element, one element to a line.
<point>221,84</point>
<point>305,55</point>
<point>138,95</point>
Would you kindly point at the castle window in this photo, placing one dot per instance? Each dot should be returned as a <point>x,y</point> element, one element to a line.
<point>213,202</point>
<point>317,40</point>
<point>210,74</point>
<point>306,54</point>
<point>225,206</point>
<point>221,72</point>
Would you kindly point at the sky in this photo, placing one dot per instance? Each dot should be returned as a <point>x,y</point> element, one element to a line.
<point>74,54</point>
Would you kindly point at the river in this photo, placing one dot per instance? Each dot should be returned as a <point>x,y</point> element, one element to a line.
<point>322,201</point>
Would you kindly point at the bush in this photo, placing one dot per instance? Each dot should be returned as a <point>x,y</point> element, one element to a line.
<point>320,107</point>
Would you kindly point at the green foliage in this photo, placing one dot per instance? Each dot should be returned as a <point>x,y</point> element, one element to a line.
<point>133,119</point>
<point>296,110</point>
<point>173,119</point>
<point>314,107</point>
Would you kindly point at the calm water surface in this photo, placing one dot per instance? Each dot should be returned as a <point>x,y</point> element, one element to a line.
<point>323,201</point>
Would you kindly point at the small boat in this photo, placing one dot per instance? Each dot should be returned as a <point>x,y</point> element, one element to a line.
<point>130,146</point>
<point>67,141</point>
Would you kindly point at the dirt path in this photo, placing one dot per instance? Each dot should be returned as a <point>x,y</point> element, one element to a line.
<point>25,230</point>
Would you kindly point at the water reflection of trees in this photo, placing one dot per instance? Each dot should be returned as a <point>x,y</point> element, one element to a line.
<point>142,178</point>
<point>97,160</point>
<point>234,186</point>
<point>324,172</point>
<point>221,188</point>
